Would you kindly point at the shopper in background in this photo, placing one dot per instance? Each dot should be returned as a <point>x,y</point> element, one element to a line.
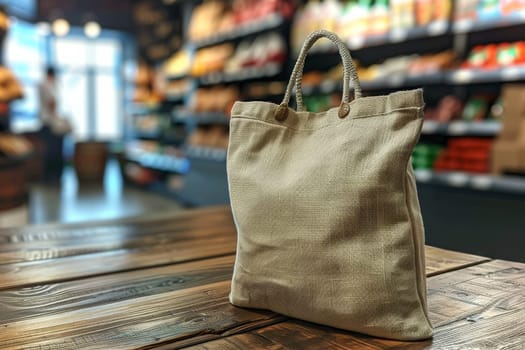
<point>47,95</point>
<point>53,127</point>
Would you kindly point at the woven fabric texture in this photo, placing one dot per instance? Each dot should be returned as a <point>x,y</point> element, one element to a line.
<point>327,215</point>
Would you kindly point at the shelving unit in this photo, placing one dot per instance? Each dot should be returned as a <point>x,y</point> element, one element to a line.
<point>161,162</point>
<point>188,117</point>
<point>243,75</point>
<point>461,128</point>
<point>253,27</point>
<point>438,35</point>
<point>504,184</point>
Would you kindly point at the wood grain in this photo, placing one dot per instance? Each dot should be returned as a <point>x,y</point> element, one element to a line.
<point>480,307</point>
<point>51,299</point>
<point>69,230</point>
<point>54,270</point>
<point>137,323</point>
<point>104,243</point>
<point>441,260</point>
<point>162,282</point>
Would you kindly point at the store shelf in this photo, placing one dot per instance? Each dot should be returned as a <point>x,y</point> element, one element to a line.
<point>206,153</point>
<point>391,37</point>
<point>461,128</point>
<point>390,82</point>
<point>177,76</point>
<point>148,135</point>
<point>199,118</point>
<point>470,25</point>
<point>175,98</point>
<point>161,162</point>
<point>252,27</point>
<point>139,108</point>
<point>251,73</point>
<point>453,77</point>
<point>472,76</point>
<point>506,184</point>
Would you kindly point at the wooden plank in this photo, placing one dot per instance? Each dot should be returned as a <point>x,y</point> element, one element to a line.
<point>33,251</point>
<point>480,307</point>
<point>87,288</point>
<point>75,267</point>
<point>52,299</point>
<point>197,310</point>
<point>184,219</point>
<point>441,260</point>
<point>133,305</point>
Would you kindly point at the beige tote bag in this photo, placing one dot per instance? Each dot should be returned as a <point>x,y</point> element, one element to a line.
<point>326,209</point>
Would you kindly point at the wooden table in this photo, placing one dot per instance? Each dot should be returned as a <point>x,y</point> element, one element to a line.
<point>161,282</point>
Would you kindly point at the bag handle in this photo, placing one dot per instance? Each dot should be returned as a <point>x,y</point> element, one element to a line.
<point>349,74</point>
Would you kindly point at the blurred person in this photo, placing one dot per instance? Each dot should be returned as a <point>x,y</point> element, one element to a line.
<point>53,126</point>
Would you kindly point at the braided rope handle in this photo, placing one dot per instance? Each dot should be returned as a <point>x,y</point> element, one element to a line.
<point>349,71</point>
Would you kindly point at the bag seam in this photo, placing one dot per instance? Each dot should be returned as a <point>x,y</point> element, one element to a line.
<point>413,233</point>
<point>240,116</point>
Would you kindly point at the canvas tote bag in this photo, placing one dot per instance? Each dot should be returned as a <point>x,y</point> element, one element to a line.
<point>326,209</point>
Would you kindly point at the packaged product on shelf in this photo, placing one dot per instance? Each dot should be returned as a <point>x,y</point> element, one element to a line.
<point>508,153</point>
<point>511,53</point>
<point>449,108</point>
<point>178,64</point>
<point>265,51</point>
<point>211,59</point>
<point>496,55</point>
<point>177,87</point>
<point>424,12</point>
<point>488,9</point>
<point>496,110</point>
<point>379,20</point>
<point>205,19</point>
<point>216,99</point>
<point>465,10</point>
<point>468,154</point>
<point>482,56</point>
<point>424,155</point>
<point>441,10</point>
<point>330,11</point>
<point>509,7</point>
<point>402,14</point>
<point>477,107</point>
<point>433,63</point>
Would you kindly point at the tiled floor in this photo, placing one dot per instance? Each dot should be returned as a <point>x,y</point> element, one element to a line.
<point>70,201</point>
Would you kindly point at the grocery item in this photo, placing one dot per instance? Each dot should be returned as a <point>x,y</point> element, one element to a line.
<point>508,153</point>
<point>424,155</point>
<point>476,108</point>
<point>468,154</point>
<point>178,64</point>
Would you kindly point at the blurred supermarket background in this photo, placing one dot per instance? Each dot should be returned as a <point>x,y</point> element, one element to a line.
<point>117,108</point>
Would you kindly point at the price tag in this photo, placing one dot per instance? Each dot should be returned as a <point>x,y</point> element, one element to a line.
<point>423,175</point>
<point>463,26</point>
<point>463,76</point>
<point>457,128</point>
<point>398,35</point>
<point>457,179</point>
<point>437,28</point>
<point>430,127</point>
<point>511,73</point>
<point>481,182</point>
<point>395,80</point>
<point>356,42</point>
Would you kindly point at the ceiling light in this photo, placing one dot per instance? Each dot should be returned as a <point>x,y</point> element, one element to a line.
<point>92,29</point>
<point>43,28</point>
<point>60,27</point>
